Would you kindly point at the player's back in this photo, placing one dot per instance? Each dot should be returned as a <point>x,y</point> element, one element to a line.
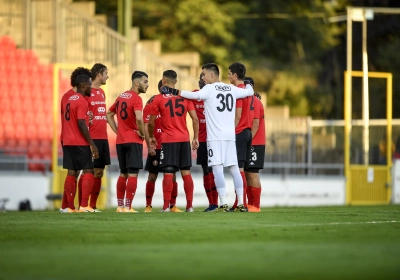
<point>63,102</point>
<point>173,111</point>
<point>157,125</point>
<point>246,118</point>
<point>124,107</point>
<point>75,108</point>
<point>199,107</point>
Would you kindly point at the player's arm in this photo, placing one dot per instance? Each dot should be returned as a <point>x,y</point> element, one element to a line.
<point>139,122</point>
<point>254,127</point>
<point>85,132</point>
<point>244,92</point>
<point>152,139</point>
<point>238,115</point>
<point>111,121</point>
<point>195,122</point>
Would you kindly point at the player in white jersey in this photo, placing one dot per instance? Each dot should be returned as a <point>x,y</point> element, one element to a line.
<point>219,106</point>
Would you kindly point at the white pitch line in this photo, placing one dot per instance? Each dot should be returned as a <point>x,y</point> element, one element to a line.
<point>331,224</point>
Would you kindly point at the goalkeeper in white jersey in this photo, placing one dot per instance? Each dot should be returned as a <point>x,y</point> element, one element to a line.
<point>219,106</point>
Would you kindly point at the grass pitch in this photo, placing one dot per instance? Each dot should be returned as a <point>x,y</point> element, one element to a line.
<point>279,243</point>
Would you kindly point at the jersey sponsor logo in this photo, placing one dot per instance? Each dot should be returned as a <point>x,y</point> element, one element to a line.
<point>100,118</point>
<point>92,94</point>
<point>97,103</point>
<point>199,106</point>
<point>168,96</point>
<point>101,110</point>
<point>74,97</point>
<point>223,88</point>
<point>203,121</point>
<point>126,95</point>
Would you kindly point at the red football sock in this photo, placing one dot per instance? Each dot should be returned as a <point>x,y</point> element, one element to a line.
<point>80,189</point>
<point>207,188</point>
<point>236,201</point>
<point>250,196</point>
<point>244,189</point>
<point>64,203</point>
<point>188,187</point>
<point>87,186</point>
<point>167,186</point>
<point>95,192</point>
<point>69,186</point>
<point>150,186</point>
<point>131,187</point>
<point>174,193</point>
<point>121,187</point>
<point>257,195</point>
<point>214,192</point>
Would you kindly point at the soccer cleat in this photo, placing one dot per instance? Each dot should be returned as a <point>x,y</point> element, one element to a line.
<point>207,209</point>
<point>175,209</point>
<point>232,209</point>
<point>67,210</point>
<point>190,210</point>
<point>96,210</point>
<point>85,209</point>
<point>165,210</point>
<point>120,209</point>
<point>212,207</point>
<point>131,210</point>
<point>253,209</point>
<point>241,208</point>
<point>222,208</point>
<point>148,209</point>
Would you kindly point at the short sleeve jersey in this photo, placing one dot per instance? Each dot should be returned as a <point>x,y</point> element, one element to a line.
<point>219,105</point>
<point>157,125</point>
<point>199,107</point>
<point>124,107</point>
<point>247,105</point>
<point>64,100</point>
<point>259,137</point>
<point>97,105</point>
<point>75,109</point>
<point>173,111</point>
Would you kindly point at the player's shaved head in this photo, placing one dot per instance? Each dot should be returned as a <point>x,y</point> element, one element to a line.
<point>98,68</point>
<point>138,75</point>
<point>169,78</point>
<point>82,79</point>
<point>211,67</point>
<point>79,71</point>
<point>239,69</point>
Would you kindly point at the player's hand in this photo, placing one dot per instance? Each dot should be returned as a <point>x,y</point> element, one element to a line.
<point>169,90</point>
<point>90,114</point>
<point>95,152</point>
<point>248,82</point>
<point>151,151</point>
<point>195,144</point>
<point>140,135</point>
<point>153,142</point>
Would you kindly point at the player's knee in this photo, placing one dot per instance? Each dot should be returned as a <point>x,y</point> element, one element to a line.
<point>205,170</point>
<point>86,171</point>
<point>152,177</point>
<point>169,169</point>
<point>98,173</point>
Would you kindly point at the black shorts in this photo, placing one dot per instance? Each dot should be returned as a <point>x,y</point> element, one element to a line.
<point>130,155</point>
<point>104,153</point>
<point>176,154</point>
<point>153,163</point>
<point>256,160</point>
<point>77,158</point>
<point>202,154</point>
<point>243,146</point>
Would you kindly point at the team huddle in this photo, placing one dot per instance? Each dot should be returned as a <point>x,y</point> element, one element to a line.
<point>228,131</point>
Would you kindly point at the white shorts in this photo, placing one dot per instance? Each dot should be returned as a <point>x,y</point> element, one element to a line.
<point>221,152</point>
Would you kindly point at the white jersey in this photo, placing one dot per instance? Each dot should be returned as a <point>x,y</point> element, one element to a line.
<point>219,107</point>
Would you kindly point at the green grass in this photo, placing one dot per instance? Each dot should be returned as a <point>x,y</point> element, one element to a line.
<point>279,243</point>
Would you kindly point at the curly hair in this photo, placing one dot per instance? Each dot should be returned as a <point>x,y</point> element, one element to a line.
<point>79,71</point>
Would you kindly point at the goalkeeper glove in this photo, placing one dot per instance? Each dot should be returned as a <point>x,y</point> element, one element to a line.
<point>248,82</point>
<point>169,90</point>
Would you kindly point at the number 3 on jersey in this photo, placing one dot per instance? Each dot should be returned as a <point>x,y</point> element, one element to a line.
<point>123,113</point>
<point>226,102</point>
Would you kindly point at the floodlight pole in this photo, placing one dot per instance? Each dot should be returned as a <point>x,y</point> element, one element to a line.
<point>365,92</point>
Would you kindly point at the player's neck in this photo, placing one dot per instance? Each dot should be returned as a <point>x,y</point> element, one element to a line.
<point>135,90</point>
<point>238,82</point>
<point>96,84</point>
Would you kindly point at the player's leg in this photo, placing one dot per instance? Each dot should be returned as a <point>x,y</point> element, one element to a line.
<point>134,163</point>
<point>69,191</point>
<point>167,186</point>
<point>214,193</point>
<point>250,198</point>
<point>255,164</point>
<point>87,186</point>
<point>185,162</point>
<point>202,160</point>
<point>123,177</point>
<point>169,162</point>
<point>152,166</point>
<point>174,195</point>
